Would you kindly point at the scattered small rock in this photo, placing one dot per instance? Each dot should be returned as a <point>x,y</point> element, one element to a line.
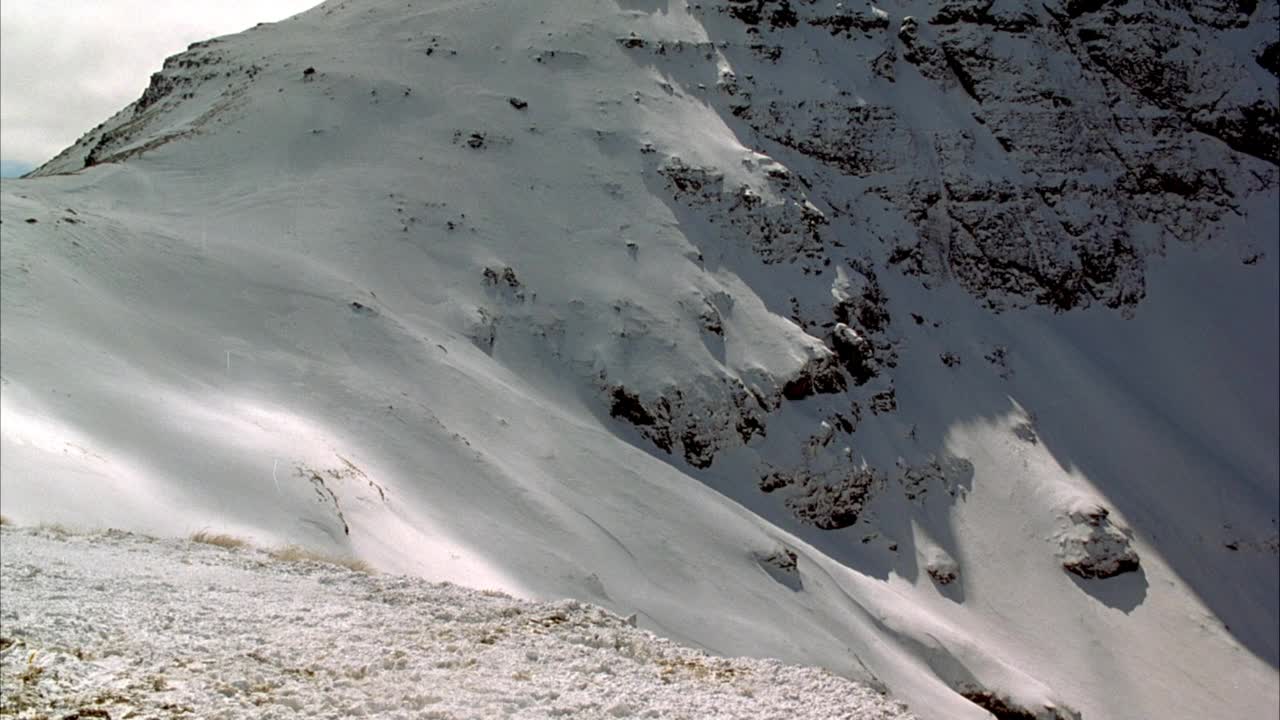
<point>86,713</point>
<point>940,565</point>
<point>1026,432</point>
<point>781,565</point>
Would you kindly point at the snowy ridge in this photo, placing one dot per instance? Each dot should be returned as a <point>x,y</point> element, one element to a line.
<point>937,342</point>
<point>130,625</point>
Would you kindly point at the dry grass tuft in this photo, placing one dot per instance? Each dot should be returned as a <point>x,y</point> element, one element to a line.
<point>56,529</point>
<point>222,540</point>
<point>297,553</point>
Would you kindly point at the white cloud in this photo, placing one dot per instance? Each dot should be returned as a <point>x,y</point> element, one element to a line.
<point>66,66</point>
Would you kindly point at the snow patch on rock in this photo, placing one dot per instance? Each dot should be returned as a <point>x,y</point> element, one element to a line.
<point>1091,545</point>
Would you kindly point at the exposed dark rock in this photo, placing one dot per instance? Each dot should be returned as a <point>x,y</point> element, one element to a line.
<point>159,87</point>
<point>87,714</point>
<point>719,415</point>
<point>1091,546</point>
<point>1269,58</point>
<point>884,402</point>
<point>982,12</point>
<point>856,353</point>
<point>774,480</point>
<point>847,22</point>
<point>950,474</point>
<point>504,283</point>
<point>628,407</point>
<point>997,706</point>
<point>831,501</point>
<point>943,574</point>
<point>819,375</point>
<point>787,228</point>
<point>781,565</point>
<point>777,13</point>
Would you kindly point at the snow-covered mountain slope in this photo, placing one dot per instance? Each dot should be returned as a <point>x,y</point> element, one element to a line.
<point>131,626</point>
<point>935,344</point>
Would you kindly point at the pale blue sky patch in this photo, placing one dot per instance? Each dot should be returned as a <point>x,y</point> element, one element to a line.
<point>67,66</point>
<point>13,169</point>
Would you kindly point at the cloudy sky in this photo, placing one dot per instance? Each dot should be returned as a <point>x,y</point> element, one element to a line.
<point>67,65</point>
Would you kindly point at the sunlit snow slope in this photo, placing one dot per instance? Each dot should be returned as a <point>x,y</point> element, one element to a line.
<point>934,344</point>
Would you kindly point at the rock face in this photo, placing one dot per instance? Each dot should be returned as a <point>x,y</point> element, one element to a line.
<point>1087,146</point>
<point>1085,133</point>
<point>1092,546</point>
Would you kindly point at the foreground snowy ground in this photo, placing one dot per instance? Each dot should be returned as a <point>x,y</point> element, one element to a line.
<point>140,627</point>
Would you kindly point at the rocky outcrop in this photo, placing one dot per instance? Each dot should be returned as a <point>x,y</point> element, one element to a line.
<point>831,497</point>
<point>1090,147</point>
<point>781,565</point>
<point>1202,84</point>
<point>947,473</point>
<point>834,499</point>
<point>776,222</point>
<point>1086,132</point>
<point>702,420</point>
<point>697,426</point>
<point>856,138</point>
<point>130,132</point>
<point>940,565</point>
<point>1092,546</point>
<point>1003,707</point>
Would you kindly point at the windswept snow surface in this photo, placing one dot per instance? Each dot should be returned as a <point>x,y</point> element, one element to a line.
<point>141,627</point>
<point>934,344</point>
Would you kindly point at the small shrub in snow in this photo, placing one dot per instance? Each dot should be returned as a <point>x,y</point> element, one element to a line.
<point>231,542</point>
<point>297,553</point>
<point>56,529</point>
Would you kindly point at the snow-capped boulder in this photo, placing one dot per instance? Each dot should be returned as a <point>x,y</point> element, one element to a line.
<point>1091,545</point>
<point>940,565</point>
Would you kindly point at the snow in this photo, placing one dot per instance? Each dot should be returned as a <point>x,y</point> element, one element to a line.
<point>267,312</point>
<point>132,625</point>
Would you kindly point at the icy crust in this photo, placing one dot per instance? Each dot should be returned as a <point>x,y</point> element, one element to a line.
<point>120,625</point>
